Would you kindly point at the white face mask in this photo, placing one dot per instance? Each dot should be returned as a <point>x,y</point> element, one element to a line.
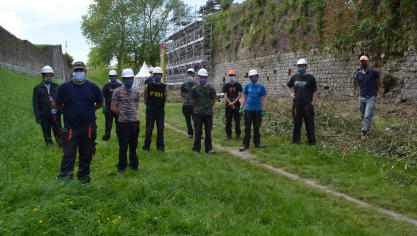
<point>190,77</point>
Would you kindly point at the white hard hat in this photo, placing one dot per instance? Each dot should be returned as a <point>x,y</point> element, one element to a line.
<point>191,70</point>
<point>47,70</point>
<point>302,62</point>
<point>202,72</point>
<point>253,72</point>
<point>157,70</point>
<point>126,73</point>
<point>112,72</point>
<point>150,69</point>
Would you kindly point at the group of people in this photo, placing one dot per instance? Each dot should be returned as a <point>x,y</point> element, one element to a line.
<point>78,99</point>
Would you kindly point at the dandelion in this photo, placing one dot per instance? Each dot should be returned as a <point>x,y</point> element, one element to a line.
<point>40,221</point>
<point>114,221</point>
<point>35,209</point>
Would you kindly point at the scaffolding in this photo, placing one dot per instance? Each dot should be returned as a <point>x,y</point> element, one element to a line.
<point>189,47</point>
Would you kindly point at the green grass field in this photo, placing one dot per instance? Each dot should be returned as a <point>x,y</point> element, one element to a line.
<point>179,192</point>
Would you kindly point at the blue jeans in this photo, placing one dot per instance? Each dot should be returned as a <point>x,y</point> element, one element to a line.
<point>367,108</point>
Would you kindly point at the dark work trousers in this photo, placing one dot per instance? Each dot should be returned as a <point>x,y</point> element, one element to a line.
<point>128,134</point>
<point>83,140</point>
<point>252,118</point>
<point>151,119</point>
<point>199,121</point>
<point>232,114</point>
<point>110,116</point>
<point>187,110</point>
<point>306,113</point>
<point>52,122</point>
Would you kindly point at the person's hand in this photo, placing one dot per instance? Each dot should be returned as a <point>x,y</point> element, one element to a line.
<point>292,95</point>
<point>264,113</point>
<point>38,121</point>
<point>241,110</point>
<point>103,109</point>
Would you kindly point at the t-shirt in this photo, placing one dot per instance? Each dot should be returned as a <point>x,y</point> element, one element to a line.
<point>186,88</point>
<point>368,82</point>
<point>304,87</point>
<point>126,103</point>
<point>148,80</point>
<point>79,103</point>
<point>203,96</point>
<point>253,96</point>
<point>232,90</point>
<point>156,97</point>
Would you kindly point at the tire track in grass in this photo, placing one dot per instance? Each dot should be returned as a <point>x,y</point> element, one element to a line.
<point>311,183</point>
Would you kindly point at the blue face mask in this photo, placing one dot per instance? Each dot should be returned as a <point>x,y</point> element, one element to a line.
<point>232,79</point>
<point>128,83</point>
<point>47,81</point>
<point>203,81</point>
<point>157,79</point>
<point>78,75</point>
<point>254,79</point>
<point>302,70</point>
<point>113,80</point>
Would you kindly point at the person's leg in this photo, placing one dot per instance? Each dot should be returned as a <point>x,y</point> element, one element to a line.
<point>46,124</point>
<point>86,150</point>
<point>160,119</point>
<point>123,136</point>
<point>108,125</point>
<point>150,120</point>
<point>369,113</point>
<point>229,116</point>
<point>248,126</point>
<point>297,122</point>
<point>198,126</point>
<point>116,120</point>
<point>309,122</point>
<point>362,107</point>
<point>187,111</point>
<point>236,116</point>
<point>69,146</point>
<point>208,126</point>
<point>133,143</point>
<point>57,129</point>
<point>257,119</point>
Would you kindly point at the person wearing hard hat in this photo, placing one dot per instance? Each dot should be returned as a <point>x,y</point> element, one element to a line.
<point>125,103</point>
<point>155,97</point>
<point>203,97</point>
<point>369,83</point>
<point>150,79</point>
<point>43,100</point>
<point>107,91</point>
<point>187,109</point>
<point>302,88</point>
<point>78,99</point>
<point>253,109</point>
<point>232,93</point>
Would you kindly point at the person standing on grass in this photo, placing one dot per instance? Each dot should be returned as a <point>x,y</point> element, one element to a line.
<point>203,98</point>
<point>369,83</point>
<point>253,109</point>
<point>107,94</point>
<point>155,97</point>
<point>125,103</point>
<point>187,109</point>
<point>304,99</point>
<point>232,94</point>
<point>78,99</point>
<point>46,114</point>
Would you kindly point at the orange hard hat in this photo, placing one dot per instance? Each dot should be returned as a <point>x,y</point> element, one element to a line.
<point>231,72</point>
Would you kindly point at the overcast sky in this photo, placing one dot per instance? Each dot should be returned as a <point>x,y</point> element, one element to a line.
<point>52,22</point>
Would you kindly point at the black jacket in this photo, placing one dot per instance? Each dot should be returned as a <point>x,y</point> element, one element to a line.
<point>108,93</point>
<point>40,100</point>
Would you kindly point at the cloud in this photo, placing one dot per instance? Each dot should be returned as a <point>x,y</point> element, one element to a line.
<point>12,23</point>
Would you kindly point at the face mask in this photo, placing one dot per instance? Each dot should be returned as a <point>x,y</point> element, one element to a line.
<point>113,80</point>
<point>190,77</point>
<point>203,81</point>
<point>364,64</point>
<point>232,79</point>
<point>47,81</point>
<point>253,79</point>
<point>128,83</point>
<point>157,79</point>
<point>302,70</point>
<point>78,76</point>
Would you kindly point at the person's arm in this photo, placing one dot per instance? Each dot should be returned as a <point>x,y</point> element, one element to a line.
<point>289,91</point>
<point>192,98</point>
<point>315,96</point>
<point>35,104</point>
<point>59,101</point>
<point>264,102</point>
<point>114,105</point>
<point>182,90</point>
<point>99,98</point>
<point>145,94</point>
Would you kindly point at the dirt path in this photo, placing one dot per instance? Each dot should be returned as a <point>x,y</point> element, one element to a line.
<point>308,182</point>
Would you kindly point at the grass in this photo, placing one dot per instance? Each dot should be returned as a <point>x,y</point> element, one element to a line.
<point>176,193</point>
<point>379,180</point>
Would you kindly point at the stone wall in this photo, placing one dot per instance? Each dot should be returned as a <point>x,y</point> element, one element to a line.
<point>333,74</point>
<point>23,56</point>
